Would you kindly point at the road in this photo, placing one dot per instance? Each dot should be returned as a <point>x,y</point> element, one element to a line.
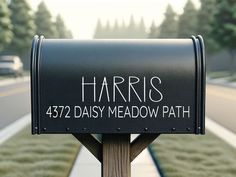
<point>14,102</point>
<point>221,106</point>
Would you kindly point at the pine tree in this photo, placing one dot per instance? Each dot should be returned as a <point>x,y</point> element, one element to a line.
<point>120,31</point>
<point>204,27</point>
<point>116,30</point>
<point>168,28</point>
<point>123,30</point>
<point>131,30</point>
<point>106,34</point>
<point>98,30</point>
<point>5,25</point>
<point>187,25</point>
<point>43,21</point>
<point>69,34</point>
<point>61,29</point>
<point>224,27</point>
<point>153,33</point>
<point>141,31</point>
<point>23,26</point>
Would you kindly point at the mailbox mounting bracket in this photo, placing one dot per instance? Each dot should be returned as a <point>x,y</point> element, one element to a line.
<point>116,149</point>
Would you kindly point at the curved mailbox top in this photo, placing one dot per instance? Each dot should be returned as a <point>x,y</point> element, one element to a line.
<point>118,86</point>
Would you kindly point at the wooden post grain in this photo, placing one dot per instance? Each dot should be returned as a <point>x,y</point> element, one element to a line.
<point>116,155</point>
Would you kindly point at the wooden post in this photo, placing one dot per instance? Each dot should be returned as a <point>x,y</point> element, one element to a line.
<point>116,152</point>
<point>116,155</point>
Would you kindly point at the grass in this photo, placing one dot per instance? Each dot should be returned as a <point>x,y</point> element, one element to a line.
<point>194,156</point>
<point>2,77</point>
<point>219,74</point>
<point>232,78</point>
<point>26,155</point>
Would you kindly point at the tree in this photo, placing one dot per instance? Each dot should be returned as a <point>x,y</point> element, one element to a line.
<point>123,29</point>
<point>61,29</point>
<point>168,28</point>
<point>107,31</point>
<point>205,19</point>
<point>5,25</point>
<point>43,21</point>
<point>131,30</point>
<point>188,21</point>
<point>69,34</point>
<point>98,30</point>
<point>141,31</point>
<point>224,27</point>
<point>23,26</point>
<point>153,33</point>
<point>116,30</point>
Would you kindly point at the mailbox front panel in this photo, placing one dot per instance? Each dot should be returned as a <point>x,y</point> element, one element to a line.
<point>118,86</point>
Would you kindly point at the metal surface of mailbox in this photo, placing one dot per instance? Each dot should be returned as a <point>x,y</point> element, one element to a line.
<point>118,86</point>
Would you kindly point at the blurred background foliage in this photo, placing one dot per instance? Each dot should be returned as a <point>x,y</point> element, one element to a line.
<point>18,25</point>
<point>123,31</point>
<point>215,20</point>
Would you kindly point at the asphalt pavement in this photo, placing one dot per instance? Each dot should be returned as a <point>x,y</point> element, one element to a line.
<point>221,105</point>
<point>14,102</point>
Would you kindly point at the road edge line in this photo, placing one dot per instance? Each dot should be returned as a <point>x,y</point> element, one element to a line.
<point>223,133</point>
<point>14,128</point>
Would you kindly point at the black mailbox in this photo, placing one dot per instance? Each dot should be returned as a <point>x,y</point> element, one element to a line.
<point>118,86</point>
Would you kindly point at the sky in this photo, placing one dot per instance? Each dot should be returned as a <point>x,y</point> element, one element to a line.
<point>81,16</point>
